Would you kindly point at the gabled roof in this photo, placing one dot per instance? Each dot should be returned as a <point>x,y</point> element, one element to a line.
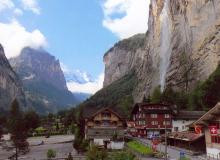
<point>210,115</point>
<point>92,111</point>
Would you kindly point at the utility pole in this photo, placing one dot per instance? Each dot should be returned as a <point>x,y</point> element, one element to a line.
<point>165,141</point>
<point>16,153</point>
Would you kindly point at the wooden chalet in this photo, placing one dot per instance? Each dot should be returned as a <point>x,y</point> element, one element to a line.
<point>152,119</point>
<point>103,125</point>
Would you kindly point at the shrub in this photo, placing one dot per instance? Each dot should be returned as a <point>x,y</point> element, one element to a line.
<point>95,154</point>
<point>70,157</point>
<point>51,153</point>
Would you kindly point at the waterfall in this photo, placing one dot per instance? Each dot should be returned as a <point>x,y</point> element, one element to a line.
<point>165,48</point>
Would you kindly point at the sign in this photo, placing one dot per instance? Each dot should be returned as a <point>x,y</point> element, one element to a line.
<point>213,130</point>
<point>198,129</point>
<point>154,147</point>
<point>155,141</point>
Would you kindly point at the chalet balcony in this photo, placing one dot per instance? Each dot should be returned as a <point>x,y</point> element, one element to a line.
<point>105,132</point>
<point>107,126</point>
<point>106,117</point>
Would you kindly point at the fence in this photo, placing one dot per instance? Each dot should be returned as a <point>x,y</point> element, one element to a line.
<point>74,157</point>
<point>213,157</point>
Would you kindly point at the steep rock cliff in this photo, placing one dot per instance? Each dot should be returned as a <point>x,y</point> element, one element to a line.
<point>180,48</point>
<point>44,82</point>
<point>10,84</point>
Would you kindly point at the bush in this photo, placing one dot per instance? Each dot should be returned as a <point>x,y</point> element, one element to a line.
<point>70,157</point>
<point>51,154</point>
<point>95,154</point>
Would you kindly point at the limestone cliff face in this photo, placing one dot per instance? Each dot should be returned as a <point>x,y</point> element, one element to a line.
<point>10,85</point>
<point>123,57</point>
<point>181,47</point>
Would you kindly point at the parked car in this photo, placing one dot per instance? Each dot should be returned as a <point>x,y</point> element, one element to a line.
<point>153,136</point>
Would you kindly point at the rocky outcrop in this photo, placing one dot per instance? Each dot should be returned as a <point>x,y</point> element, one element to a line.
<point>10,85</point>
<point>43,80</point>
<point>181,47</point>
<point>37,64</point>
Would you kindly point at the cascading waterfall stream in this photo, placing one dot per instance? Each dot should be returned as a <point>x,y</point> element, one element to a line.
<point>165,48</point>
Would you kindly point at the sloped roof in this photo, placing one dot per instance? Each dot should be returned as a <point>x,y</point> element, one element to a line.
<point>189,115</point>
<point>210,115</point>
<point>90,112</point>
<point>185,136</point>
<point>153,107</point>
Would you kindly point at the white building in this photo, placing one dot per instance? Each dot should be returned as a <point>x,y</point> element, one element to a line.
<point>183,119</point>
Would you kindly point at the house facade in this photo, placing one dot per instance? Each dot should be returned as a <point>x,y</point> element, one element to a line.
<point>183,119</point>
<point>209,124</point>
<point>103,127</point>
<point>152,119</point>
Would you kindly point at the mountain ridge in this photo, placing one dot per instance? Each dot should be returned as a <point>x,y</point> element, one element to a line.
<point>44,82</point>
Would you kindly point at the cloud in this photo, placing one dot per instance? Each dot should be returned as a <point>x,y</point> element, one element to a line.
<point>18,12</point>
<point>14,37</point>
<point>126,18</point>
<point>89,87</point>
<point>31,5</point>
<point>6,4</point>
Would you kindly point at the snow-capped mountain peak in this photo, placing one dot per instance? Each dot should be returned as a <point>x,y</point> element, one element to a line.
<point>78,76</point>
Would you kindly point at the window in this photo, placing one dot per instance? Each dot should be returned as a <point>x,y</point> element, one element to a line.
<point>153,115</point>
<point>106,123</point>
<point>106,115</point>
<point>139,115</point>
<point>166,122</point>
<point>97,122</point>
<point>154,122</point>
<point>215,139</point>
<point>133,117</point>
<point>176,129</point>
<point>167,116</point>
<point>183,127</point>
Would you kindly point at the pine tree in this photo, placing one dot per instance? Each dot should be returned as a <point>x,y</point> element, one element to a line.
<point>17,128</point>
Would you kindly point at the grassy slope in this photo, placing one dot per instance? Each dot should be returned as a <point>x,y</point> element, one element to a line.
<point>140,148</point>
<point>118,95</point>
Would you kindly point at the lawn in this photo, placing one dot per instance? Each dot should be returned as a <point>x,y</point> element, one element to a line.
<point>140,148</point>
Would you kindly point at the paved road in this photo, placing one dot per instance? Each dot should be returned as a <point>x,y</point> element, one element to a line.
<point>61,144</point>
<point>173,153</point>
